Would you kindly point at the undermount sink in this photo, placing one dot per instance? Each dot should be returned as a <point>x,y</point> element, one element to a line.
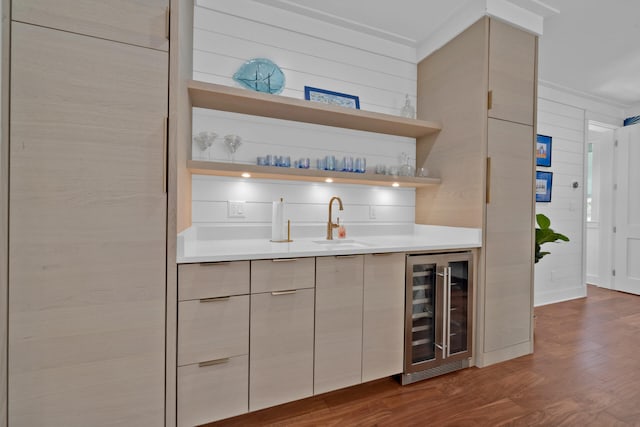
<point>342,243</point>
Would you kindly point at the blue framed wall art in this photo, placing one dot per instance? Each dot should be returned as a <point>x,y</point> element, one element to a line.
<point>543,150</point>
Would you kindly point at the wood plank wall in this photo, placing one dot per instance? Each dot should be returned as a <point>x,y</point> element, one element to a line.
<point>223,41</point>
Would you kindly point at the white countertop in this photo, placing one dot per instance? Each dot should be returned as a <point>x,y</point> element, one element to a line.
<point>424,238</point>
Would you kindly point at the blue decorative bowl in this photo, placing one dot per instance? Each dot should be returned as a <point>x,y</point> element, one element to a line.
<point>261,75</point>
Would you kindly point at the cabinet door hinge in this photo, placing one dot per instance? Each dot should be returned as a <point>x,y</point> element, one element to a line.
<point>490,100</point>
<point>615,229</point>
<point>615,143</point>
<point>167,22</point>
<point>613,273</point>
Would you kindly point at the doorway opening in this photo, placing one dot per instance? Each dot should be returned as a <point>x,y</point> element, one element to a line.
<point>599,203</point>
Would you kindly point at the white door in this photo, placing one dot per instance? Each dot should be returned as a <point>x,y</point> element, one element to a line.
<point>627,211</point>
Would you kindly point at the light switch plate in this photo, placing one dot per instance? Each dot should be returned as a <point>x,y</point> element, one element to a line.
<point>236,209</point>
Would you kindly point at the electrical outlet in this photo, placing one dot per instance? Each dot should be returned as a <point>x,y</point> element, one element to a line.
<point>236,209</point>
<point>372,212</point>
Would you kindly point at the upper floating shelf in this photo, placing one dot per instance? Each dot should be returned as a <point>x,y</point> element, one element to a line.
<point>226,98</point>
<point>313,175</point>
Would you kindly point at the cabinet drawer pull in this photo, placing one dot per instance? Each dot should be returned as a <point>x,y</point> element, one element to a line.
<point>284,259</point>
<point>346,256</point>
<point>276,293</point>
<point>213,362</point>
<point>213,264</point>
<point>382,254</point>
<point>214,299</point>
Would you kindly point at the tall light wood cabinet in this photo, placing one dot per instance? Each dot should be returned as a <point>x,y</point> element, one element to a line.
<point>508,263</point>
<point>482,86</point>
<point>87,237</point>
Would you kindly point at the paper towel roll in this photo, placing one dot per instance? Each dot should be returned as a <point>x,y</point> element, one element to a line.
<point>278,231</point>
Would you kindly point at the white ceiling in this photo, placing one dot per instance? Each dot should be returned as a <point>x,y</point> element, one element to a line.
<point>591,46</point>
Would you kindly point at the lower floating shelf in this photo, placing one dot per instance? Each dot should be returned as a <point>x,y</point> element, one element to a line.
<point>199,167</point>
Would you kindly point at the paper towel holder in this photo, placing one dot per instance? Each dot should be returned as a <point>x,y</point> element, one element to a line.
<point>288,239</point>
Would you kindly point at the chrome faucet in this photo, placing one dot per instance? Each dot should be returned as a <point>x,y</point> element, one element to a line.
<point>330,224</point>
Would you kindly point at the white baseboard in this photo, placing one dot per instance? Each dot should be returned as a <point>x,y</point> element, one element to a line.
<point>544,298</point>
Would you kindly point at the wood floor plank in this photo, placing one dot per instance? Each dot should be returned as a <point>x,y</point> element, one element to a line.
<point>585,372</point>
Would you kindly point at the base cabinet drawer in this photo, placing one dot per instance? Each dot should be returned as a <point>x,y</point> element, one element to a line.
<point>210,392</point>
<point>212,328</point>
<point>282,274</point>
<point>281,347</point>
<point>213,279</point>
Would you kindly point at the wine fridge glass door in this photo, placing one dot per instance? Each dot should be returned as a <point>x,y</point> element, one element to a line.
<point>421,322</point>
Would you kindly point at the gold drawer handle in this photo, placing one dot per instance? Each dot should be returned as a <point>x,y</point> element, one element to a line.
<point>213,362</point>
<point>214,299</point>
<point>275,294</point>
<point>213,264</point>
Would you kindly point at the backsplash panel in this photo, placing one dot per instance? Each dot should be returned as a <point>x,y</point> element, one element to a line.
<point>306,206</point>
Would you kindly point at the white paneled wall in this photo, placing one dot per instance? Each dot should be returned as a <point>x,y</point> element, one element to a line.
<point>559,276</point>
<point>223,41</point>
<point>306,207</point>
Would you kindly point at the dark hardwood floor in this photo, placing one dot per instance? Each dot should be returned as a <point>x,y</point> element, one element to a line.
<point>585,372</point>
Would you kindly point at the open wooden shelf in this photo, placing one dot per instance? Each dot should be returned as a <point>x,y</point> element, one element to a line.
<point>226,98</point>
<point>314,175</point>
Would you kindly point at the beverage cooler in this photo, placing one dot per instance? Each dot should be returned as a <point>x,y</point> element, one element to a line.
<point>439,314</point>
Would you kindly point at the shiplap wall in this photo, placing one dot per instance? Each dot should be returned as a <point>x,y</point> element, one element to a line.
<point>223,41</point>
<point>564,115</point>
<point>558,276</point>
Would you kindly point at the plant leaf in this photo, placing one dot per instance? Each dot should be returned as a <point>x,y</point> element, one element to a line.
<point>543,221</point>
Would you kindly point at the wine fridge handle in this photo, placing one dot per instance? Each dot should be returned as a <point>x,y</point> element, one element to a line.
<point>445,312</point>
<point>448,308</point>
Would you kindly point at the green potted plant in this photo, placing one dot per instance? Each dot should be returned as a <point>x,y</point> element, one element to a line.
<point>544,234</point>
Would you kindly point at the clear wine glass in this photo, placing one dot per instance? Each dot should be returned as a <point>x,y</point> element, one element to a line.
<point>204,140</point>
<point>233,142</point>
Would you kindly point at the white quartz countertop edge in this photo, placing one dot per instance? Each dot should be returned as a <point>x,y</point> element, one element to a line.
<point>424,238</point>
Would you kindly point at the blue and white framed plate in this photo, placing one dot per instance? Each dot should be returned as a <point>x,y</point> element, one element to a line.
<point>331,98</point>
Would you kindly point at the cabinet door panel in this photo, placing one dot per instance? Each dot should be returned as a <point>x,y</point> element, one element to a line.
<point>281,367</point>
<point>509,236</point>
<point>338,351</point>
<point>512,64</point>
<point>383,317</point>
<point>137,22</point>
<point>87,235</point>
